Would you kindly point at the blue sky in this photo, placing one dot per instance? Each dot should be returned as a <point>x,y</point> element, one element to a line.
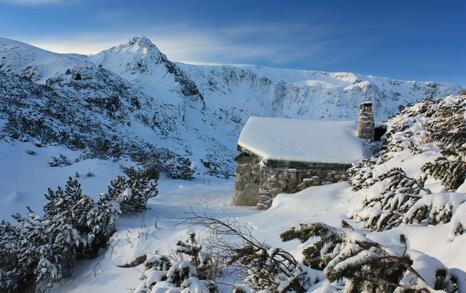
<point>423,40</point>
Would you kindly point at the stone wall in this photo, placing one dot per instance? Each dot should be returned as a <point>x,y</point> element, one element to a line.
<point>247,180</point>
<point>257,183</point>
<point>275,179</point>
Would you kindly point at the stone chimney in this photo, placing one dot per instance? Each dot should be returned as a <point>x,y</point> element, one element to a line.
<point>366,121</point>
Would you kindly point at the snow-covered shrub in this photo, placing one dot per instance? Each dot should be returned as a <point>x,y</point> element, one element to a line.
<point>149,168</point>
<point>131,192</point>
<point>385,210</point>
<point>140,190</point>
<point>215,167</point>
<point>187,271</point>
<point>407,129</point>
<point>365,265</point>
<point>451,172</point>
<point>361,175</point>
<point>432,120</point>
<point>196,255</point>
<point>46,249</point>
<point>62,201</point>
<point>190,269</point>
<point>177,167</point>
<point>398,182</point>
<point>13,274</point>
<point>101,220</point>
<point>447,125</point>
<point>447,128</point>
<point>433,209</point>
<point>273,269</point>
<point>59,161</point>
<point>39,251</point>
<point>458,222</point>
<point>431,126</point>
<point>153,161</point>
<point>114,191</point>
<point>94,222</point>
<point>258,265</point>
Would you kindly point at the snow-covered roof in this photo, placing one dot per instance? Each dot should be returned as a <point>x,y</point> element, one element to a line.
<point>299,140</point>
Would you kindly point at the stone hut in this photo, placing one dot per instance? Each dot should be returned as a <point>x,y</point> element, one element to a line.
<point>277,155</point>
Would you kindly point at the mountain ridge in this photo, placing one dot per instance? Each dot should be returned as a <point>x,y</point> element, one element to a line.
<point>197,111</point>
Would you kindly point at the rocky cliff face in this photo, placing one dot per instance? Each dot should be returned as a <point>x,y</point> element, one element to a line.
<point>132,97</point>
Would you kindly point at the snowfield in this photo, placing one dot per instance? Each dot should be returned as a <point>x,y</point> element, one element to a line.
<point>25,175</point>
<point>156,230</point>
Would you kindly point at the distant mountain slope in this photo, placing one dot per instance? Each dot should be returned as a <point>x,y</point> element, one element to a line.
<point>35,63</point>
<point>134,92</point>
<point>307,94</point>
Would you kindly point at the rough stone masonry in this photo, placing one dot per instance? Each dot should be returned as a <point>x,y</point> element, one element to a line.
<point>366,121</point>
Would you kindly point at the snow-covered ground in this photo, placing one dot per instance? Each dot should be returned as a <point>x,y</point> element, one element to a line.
<point>25,177</point>
<point>157,230</point>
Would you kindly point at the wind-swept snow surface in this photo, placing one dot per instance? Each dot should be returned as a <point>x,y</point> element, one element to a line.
<point>25,175</point>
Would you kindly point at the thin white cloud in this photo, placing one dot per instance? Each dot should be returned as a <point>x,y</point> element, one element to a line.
<point>275,43</point>
<point>86,43</point>
<point>72,46</point>
<point>269,43</point>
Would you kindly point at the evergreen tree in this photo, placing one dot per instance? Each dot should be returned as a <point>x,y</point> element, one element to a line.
<point>12,272</point>
<point>141,189</point>
<point>386,210</point>
<point>450,170</point>
<point>62,202</point>
<point>131,193</point>
<point>46,249</point>
<point>41,250</point>
<point>365,265</point>
<point>187,272</point>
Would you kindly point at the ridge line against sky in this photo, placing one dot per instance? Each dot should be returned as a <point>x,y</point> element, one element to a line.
<point>414,40</point>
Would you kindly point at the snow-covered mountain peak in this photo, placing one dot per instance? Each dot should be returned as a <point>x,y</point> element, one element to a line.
<point>346,76</point>
<point>142,63</point>
<point>142,47</point>
<point>141,41</point>
<point>138,55</point>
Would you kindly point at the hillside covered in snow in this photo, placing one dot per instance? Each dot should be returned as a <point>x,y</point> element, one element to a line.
<point>132,101</point>
<point>399,224</point>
